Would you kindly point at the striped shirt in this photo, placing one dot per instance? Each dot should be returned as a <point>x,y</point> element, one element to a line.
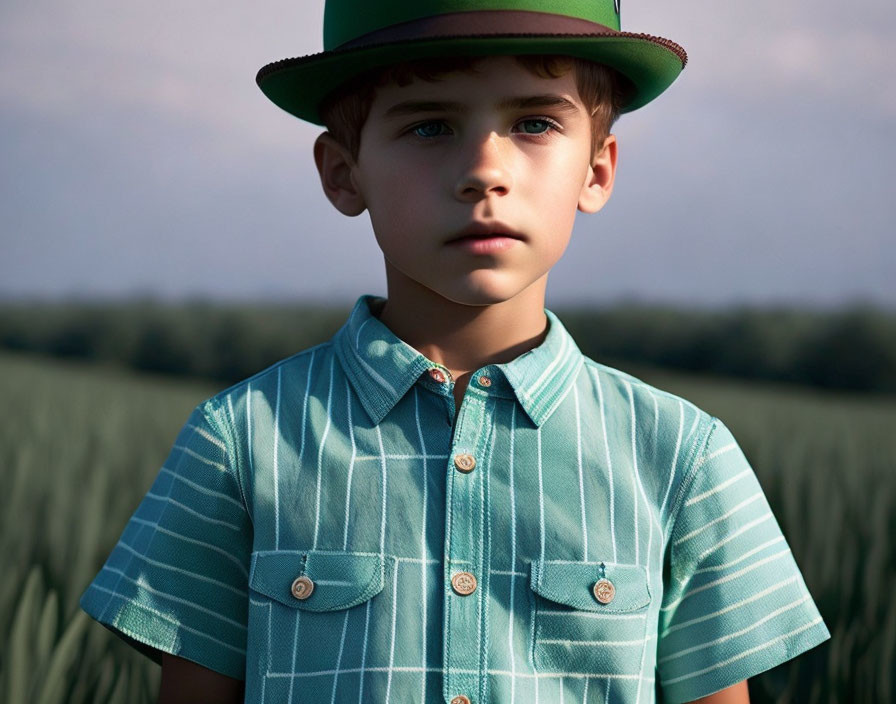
<point>331,530</point>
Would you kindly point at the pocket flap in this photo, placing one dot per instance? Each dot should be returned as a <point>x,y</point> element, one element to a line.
<point>340,579</point>
<point>572,584</point>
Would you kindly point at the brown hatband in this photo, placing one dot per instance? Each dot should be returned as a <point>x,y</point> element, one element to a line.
<point>484,23</point>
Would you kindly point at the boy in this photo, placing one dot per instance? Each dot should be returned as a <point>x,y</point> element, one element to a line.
<point>447,502</point>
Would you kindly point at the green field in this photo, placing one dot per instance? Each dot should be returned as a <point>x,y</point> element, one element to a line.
<point>79,446</point>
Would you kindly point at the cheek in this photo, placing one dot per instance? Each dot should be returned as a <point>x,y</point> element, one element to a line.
<point>560,201</point>
<point>560,180</point>
<point>559,190</point>
<point>403,191</point>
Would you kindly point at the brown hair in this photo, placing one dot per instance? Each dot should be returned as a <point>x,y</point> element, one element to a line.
<point>602,90</point>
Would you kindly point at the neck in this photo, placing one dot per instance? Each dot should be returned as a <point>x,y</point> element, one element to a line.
<point>464,338</point>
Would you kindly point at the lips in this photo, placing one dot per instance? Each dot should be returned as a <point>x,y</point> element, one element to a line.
<point>485,239</point>
<point>486,231</point>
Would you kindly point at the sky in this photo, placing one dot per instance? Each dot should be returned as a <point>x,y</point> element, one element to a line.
<point>139,158</point>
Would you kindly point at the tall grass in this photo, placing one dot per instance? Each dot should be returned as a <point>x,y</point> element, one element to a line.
<point>80,445</point>
<point>78,448</point>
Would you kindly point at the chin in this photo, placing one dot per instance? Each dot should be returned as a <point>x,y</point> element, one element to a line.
<point>481,295</point>
<point>476,301</point>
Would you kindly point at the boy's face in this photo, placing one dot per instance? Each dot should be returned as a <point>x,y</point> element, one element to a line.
<point>473,181</point>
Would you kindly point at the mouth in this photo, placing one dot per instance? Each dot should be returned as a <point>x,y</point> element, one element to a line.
<point>485,231</point>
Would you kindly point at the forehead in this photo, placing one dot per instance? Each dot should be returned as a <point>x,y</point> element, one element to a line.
<point>498,80</point>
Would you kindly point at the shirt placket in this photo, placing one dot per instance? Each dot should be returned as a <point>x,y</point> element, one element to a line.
<point>466,561</point>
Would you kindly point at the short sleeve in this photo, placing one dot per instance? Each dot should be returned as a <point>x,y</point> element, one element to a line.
<point>176,581</point>
<point>734,603</point>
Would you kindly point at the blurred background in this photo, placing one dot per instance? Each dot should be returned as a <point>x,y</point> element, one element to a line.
<point>163,234</point>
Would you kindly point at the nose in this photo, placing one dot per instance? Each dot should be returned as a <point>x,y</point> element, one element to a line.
<point>485,170</point>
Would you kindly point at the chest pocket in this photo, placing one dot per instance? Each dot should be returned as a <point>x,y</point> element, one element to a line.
<point>309,609</point>
<point>317,580</point>
<point>588,617</point>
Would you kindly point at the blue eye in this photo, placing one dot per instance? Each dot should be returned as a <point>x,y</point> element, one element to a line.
<point>430,129</point>
<point>535,126</point>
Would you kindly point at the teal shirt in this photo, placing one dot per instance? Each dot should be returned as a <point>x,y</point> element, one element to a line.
<point>330,531</point>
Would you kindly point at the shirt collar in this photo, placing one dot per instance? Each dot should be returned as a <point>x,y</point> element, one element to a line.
<point>382,368</point>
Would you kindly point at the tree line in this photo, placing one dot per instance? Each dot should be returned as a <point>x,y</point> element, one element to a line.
<point>852,349</point>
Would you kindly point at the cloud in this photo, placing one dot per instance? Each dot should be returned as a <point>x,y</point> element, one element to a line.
<point>772,53</point>
<point>188,63</point>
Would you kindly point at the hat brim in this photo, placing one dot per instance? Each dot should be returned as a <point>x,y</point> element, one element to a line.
<point>300,85</point>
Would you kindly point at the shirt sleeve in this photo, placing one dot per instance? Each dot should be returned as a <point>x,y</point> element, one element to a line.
<point>176,581</point>
<point>734,603</point>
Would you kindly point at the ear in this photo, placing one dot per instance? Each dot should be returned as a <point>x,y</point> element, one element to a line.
<point>599,181</point>
<point>336,168</point>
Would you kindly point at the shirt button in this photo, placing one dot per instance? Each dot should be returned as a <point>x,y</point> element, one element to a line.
<point>460,699</point>
<point>437,375</point>
<point>464,462</point>
<point>463,583</point>
<point>604,591</point>
<point>302,587</point>
<point>485,381</point>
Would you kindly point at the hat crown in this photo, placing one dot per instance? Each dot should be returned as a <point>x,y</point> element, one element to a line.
<point>347,20</point>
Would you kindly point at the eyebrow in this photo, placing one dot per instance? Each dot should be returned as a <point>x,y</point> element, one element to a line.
<point>539,101</point>
<point>413,107</point>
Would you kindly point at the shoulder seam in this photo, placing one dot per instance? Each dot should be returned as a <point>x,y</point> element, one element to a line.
<point>641,383</point>
<point>698,449</point>
<point>228,441</point>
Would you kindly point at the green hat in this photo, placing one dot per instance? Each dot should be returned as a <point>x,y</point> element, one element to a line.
<point>363,35</point>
